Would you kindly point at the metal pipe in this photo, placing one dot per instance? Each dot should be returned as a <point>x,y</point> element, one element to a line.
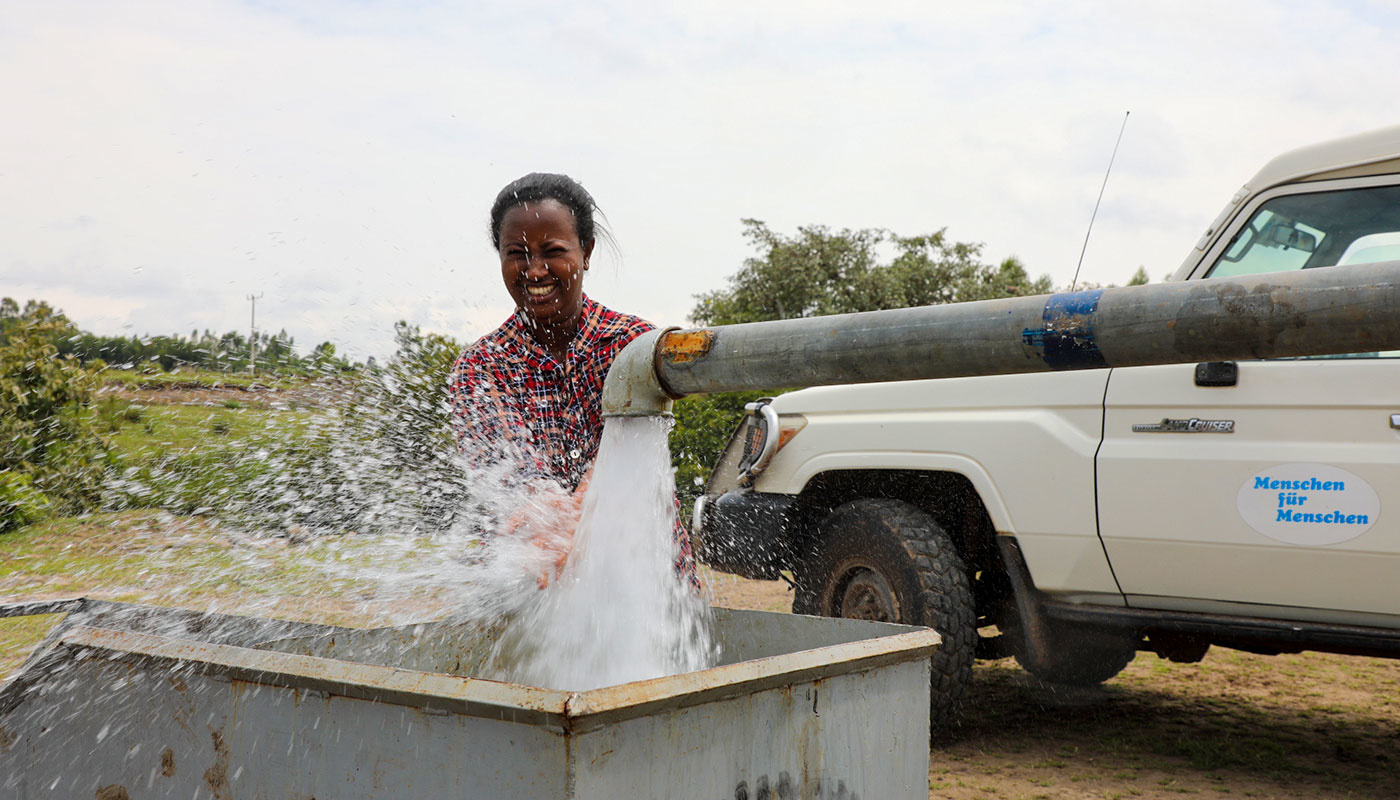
<point>632,388</point>
<point>1302,313</point>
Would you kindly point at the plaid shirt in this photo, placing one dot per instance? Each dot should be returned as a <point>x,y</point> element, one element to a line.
<point>512,400</point>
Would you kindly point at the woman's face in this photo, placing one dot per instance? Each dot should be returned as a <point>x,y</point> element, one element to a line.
<point>542,262</point>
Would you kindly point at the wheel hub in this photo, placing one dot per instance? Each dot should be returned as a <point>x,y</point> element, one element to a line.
<point>868,595</point>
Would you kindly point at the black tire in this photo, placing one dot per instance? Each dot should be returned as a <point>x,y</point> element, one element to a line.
<point>886,560</point>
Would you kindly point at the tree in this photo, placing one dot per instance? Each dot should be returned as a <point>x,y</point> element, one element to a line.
<point>1139,278</point>
<point>819,272</point>
<point>393,458</point>
<point>324,360</point>
<point>51,453</point>
<point>704,424</point>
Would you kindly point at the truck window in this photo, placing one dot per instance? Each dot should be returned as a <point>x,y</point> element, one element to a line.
<point>1343,227</point>
<point>1269,242</point>
<point>1315,229</point>
<point>1371,249</point>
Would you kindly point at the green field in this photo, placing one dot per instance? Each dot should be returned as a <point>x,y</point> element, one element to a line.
<point>162,429</point>
<point>189,378</point>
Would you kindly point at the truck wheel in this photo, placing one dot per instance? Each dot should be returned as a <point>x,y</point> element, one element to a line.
<point>886,560</point>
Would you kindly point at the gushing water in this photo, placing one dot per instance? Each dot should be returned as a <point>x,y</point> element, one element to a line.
<point>620,611</point>
<point>384,521</point>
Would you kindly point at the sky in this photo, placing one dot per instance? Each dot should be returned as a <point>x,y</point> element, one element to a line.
<point>162,161</point>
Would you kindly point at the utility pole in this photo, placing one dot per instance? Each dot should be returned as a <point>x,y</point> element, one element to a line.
<point>253,333</point>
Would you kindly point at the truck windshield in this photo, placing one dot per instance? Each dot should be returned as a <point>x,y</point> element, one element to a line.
<point>1318,229</point>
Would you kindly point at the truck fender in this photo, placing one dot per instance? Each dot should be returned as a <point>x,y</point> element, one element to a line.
<point>797,479</point>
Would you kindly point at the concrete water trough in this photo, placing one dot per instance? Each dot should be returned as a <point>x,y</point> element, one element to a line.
<point>126,701</point>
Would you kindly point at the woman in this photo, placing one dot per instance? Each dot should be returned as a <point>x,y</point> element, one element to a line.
<point>530,392</point>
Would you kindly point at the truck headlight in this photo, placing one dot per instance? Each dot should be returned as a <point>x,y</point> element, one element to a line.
<point>765,433</point>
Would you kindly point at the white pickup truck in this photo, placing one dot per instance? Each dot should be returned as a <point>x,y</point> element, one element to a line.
<point>1071,519</point>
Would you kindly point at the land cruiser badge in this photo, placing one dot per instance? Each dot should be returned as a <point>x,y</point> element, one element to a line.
<point>1192,425</point>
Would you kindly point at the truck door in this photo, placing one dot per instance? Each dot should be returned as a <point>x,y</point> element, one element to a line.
<point>1275,491</point>
<point>1265,485</point>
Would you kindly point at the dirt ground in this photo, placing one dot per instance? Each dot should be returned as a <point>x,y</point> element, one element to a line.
<point>731,591</point>
<point>1236,725</point>
<point>313,395</point>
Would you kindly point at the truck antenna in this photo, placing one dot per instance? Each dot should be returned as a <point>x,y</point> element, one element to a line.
<point>1085,248</point>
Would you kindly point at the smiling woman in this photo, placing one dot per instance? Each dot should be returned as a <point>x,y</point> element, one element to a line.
<point>543,258</point>
<point>530,393</point>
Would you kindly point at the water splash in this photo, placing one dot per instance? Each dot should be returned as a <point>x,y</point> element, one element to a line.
<point>368,499</point>
<point>620,611</point>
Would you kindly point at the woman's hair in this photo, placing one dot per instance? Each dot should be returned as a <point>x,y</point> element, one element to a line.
<point>540,186</point>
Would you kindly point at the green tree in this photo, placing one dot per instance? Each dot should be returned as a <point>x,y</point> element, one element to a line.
<point>50,449</point>
<point>818,272</point>
<point>323,358</point>
<point>704,423</point>
<point>412,392</point>
<point>227,353</point>
<point>402,473</point>
<point>1139,278</point>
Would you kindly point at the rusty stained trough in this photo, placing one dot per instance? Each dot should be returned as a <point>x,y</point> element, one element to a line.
<point>184,705</point>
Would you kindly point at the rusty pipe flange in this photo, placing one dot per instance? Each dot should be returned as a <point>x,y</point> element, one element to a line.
<point>671,345</point>
<point>633,387</point>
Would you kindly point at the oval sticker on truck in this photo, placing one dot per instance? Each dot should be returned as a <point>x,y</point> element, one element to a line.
<point>1308,504</point>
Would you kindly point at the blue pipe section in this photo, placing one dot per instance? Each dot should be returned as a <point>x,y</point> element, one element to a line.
<point>1066,340</point>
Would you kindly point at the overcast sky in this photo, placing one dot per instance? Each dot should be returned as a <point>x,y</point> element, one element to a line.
<point>160,161</point>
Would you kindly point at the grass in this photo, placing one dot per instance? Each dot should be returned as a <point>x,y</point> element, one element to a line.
<point>155,558</point>
<point>191,458</point>
<point>19,636</point>
<point>164,429</point>
<point>190,378</point>
<point>127,554</point>
<point>1161,730</point>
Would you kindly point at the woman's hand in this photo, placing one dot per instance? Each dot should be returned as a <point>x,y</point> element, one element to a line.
<point>549,522</point>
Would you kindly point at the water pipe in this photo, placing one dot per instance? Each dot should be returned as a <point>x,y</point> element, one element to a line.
<point>1279,315</point>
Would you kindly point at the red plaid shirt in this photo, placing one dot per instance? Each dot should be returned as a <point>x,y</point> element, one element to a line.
<point>512,400</point>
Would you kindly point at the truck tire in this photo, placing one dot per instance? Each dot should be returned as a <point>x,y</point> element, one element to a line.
<point>887,560</point>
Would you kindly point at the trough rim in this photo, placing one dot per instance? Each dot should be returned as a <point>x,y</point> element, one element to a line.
<point>560,710</point>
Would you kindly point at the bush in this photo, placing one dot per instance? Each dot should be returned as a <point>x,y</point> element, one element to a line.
<point>381,459</point>
<point>113,412</point>
<point>20,503</point>
<point>49,430</point>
